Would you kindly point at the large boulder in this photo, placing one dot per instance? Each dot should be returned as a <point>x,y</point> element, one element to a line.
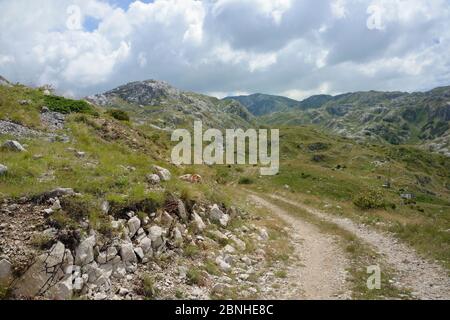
<point>85,252</point>
<point>13,146</point>
<point>163,173</point>
<point>3,169</point>
<point>217,216</point>
<point>45,274</point>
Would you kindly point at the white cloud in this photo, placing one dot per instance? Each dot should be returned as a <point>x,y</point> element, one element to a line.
<point>292,47</point>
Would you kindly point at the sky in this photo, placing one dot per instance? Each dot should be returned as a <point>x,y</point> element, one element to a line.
<point>294,48</point>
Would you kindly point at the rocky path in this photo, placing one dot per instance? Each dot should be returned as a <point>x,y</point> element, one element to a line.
<point>322,273</point>
<point>425,279</point>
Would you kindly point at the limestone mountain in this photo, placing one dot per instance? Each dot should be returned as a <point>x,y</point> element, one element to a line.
<point>162,105</point>
<point>263,104</point>
<point>260,104</point>
<point>393,117</point>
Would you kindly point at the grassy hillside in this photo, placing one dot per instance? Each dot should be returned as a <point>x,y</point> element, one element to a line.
<point>346,178</point>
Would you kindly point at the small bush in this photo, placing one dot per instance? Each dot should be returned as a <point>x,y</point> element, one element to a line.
<point>149,289</point>
<point>63,105</point>
<point>371,199</point>
<point>41,241</point>
<point>196,277</point>
<point>191,250</point>
<point>119,115</point>
<point>245,180</point>
<point>281,274</point>
<point>212,268</point>
<point>77,207</point>
<point>5,291</point>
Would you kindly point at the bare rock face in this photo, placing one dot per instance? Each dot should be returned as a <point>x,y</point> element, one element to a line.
<point>149,92</point>
<point>48,276</point>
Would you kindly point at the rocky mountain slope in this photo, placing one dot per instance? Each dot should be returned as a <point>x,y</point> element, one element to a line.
<point>91,208</point>
<point>393,117</point>
<point>160,104</point>
<point>260,104</point>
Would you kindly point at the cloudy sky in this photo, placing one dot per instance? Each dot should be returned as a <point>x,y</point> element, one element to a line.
<point>289,47</point>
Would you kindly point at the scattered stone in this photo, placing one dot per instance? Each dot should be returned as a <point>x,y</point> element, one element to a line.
<point>217,216</point>
<point>239,243</point>
<point>229,249</point>
<point>127,253</point>
<point>198,223</point>
<point>182,212</point>
<point>224,266</point>
<point>139,252</point>
<point>80,154</point>
<point>133,226</point>
<point>3,169</point>
<point>57,193</point>
<point>156,237</point>
<point>25,102</point>
<point>78,285</point>
<point>105,207</point>
<point>163,173</point>
<point>13,146</point>
<point>166,219</point>
<point>56,205</point>
<point>177,237</point>
<point>123,292</point>
<point>146,245</point>
<point>153,179</point>
<point>85,252</point>
<point>263,234</point>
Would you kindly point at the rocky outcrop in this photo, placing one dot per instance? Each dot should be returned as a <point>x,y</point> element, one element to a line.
<point>49,275</point>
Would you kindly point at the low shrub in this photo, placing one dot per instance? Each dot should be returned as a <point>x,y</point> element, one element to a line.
<point>119,115</point>
<point>371,199</point>
<point>64,105</point>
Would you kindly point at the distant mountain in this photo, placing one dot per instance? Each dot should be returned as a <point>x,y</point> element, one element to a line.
<point>160,104</point>
<point>261,104</point>
<point>394,117</point>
